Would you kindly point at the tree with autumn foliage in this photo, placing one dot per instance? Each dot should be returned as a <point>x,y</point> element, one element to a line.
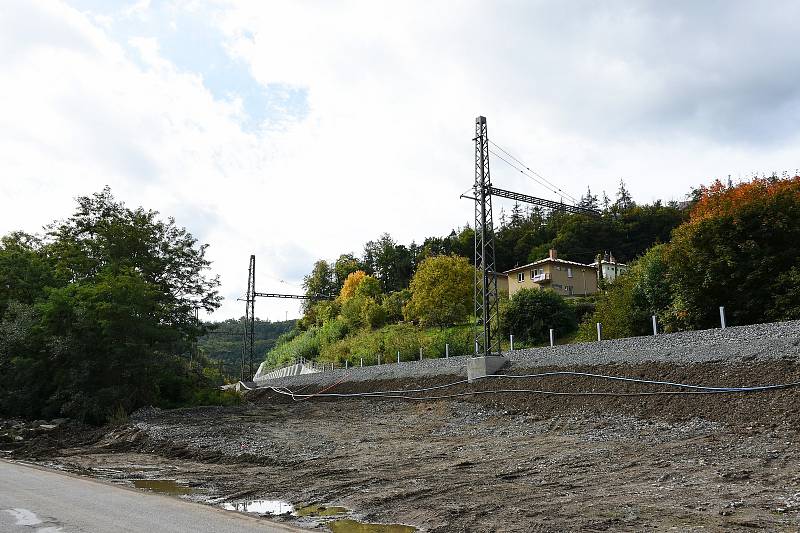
<point>739,249</point>
<point>441,291</point>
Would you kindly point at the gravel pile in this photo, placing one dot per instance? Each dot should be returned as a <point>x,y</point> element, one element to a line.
<point>759,342</point>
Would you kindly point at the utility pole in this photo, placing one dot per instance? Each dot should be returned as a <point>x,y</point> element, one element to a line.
<point>248,332</point>
<point>249,319</point>
<point>486,306</point>
<point>487,342</point>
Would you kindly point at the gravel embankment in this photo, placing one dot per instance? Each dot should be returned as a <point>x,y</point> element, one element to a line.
<point>743,344</point>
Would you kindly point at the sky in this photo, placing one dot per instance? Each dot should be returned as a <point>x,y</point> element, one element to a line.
<point>299,130</point>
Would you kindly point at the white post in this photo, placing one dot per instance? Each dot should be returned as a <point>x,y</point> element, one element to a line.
<point>655,326</point>
<point>599,331</point>
<point>362,361</point>
<point>722,316</point>
<point>420,353</point>
<point>512,342</point>
<point>552,338</point>
<point>346,364</point>
<point>398,356</point>
<point>476,347</point>
<point>379,359</point>
<point>446,350</point>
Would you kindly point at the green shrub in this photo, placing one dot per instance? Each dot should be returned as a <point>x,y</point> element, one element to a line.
<point>532,312</point>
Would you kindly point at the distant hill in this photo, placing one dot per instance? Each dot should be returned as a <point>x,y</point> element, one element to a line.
<point>224,343</point>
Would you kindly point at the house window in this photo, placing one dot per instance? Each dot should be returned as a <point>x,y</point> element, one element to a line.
<point>569,272</point>
<point>520,277</point>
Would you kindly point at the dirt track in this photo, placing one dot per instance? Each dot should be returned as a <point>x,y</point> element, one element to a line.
<point>494,462</point>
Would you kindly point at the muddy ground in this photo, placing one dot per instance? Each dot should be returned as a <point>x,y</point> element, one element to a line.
<point>495,462</point>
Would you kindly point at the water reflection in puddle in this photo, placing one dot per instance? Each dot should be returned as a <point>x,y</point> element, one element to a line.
<point>274,507</point>
<point>320,510</point>
<point>162,486</point>
<point>352,526</point>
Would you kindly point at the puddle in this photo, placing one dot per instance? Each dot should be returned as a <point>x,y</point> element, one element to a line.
<point>163,486</point>
<point>352,526</point>
<point>274,507</point>
<point>320,510</point>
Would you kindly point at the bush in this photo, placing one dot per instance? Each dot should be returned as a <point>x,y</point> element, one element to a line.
<point>393,305</point>
<point>626,308</point>
<point>532,312</point>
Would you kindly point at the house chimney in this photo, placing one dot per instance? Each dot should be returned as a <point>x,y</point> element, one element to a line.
<point>553,253</point>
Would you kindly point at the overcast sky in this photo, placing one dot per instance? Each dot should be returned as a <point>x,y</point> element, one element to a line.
<point>299,130</point>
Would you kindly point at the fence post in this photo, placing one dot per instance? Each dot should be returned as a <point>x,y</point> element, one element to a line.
<point>512,342</point>
<point>552,338</point>
<point>420,353</point>
<point>599,331</point>
<point>346,364</point>
<point>655,326</point>
<point>398,356</point>
<point>362,361</point>
<point>476,347</point>
<point>722,316</point>
<point>379,359</point>
<point>446,350</point>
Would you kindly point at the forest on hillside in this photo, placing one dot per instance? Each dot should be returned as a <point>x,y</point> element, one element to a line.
<point>625,228</point>
<point>222,341</point>
<point>732,245</point>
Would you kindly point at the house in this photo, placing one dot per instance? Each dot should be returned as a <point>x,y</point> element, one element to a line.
<point>607,267</point>
<point>567,278</point>
<point>502,283</point>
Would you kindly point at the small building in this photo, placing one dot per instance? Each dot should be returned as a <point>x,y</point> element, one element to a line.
<point>502,283</point>
<point>607,267</point>
<point>566,278</point>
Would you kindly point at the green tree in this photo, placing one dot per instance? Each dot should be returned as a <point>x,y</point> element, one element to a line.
<point>738,250</point>
<point>441,291</point>
<point>345,265</point>
<point>390,262</point>
<point>321,282</point>
<point>530,314</point>
<point>394,303</point>
<point>101,326</point>
<point>626,308</point>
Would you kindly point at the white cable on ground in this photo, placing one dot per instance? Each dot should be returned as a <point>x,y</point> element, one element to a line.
<point>404,394</point>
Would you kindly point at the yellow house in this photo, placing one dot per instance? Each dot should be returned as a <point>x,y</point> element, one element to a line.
<point>567,278</point>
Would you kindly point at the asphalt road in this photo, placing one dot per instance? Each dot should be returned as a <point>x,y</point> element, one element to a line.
<point>34,499</point>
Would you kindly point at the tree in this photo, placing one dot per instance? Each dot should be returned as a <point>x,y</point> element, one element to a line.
<point>351,283</point>
<point>394,303</point>
<point>99,329</point>
<point>345,265</point>
<point>737,250</point>
<point>589,200</point>
<point>530,313</point>
<point>441,291</point>
<point>626,308</point>
<point>624,198</point>
<point>320,283</point>
<point>391,263</point>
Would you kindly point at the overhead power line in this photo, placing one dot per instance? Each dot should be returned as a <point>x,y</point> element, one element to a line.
<point>541,179</point>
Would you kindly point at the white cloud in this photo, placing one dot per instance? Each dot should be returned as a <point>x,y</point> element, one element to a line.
<point>664,96</point>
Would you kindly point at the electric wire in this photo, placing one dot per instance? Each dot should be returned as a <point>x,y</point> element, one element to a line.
<point>405,393</point>
<point>572,199</point>
<point>521,171</point>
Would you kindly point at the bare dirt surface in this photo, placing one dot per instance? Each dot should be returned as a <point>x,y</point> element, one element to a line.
<point>495,462</point>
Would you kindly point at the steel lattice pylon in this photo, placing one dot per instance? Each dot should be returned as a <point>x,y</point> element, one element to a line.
<point>487,342</point>
<point>248,345</point>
